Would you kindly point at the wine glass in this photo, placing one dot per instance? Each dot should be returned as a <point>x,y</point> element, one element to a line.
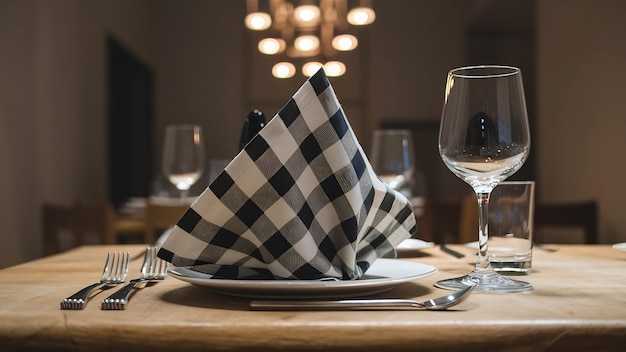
<point>483,139</point>
<point>183,156</point>
<point>392,159</point>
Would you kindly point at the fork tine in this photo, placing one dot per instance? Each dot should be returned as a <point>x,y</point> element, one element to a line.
<point>112,267</point>
<point>125,267</point>
<point>107,267</point>
<point>152,269</point>
<point>121,269</point>
<point>147,261</point>
<point>156,260</point>
<point>150,264</point>
<point>152,260</point>
<point>116,265</point>
<point>159,268</point>
<point>166,266</point>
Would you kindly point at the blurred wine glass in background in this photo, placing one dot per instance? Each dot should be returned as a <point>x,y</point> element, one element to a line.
<point>393,160</point>
<point>183,156</point>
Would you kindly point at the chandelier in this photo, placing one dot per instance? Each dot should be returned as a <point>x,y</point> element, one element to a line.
<point>311,32</point>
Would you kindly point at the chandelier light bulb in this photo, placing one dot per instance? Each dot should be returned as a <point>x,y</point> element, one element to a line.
<point>307,15</point>
<point>361,16</point>
<point>345,42</point>
<point>283,70</point>
<point>258,21</point>
<point>335,68</point>
<point>271,46</point>
<point>307,43</point>
<point>310,68</point>
<point>305,31</point>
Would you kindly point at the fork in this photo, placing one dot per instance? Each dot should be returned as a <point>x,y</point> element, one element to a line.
<point>153,269</point>
<point>114,273</point>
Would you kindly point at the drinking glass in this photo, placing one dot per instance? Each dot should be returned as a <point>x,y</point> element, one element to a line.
<point>392,159</point>
<point>483,139</point>
<point>183,156</point>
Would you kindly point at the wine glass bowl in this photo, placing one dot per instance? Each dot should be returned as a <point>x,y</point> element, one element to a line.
<point>183,156</point>
<point>484,138</point>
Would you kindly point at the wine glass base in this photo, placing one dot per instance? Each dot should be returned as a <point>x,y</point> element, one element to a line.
<point>486,283</point>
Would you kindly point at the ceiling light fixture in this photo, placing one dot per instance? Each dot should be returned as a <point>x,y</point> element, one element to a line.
<point>284,70</point>
<point>311,30</point>
<point>271,46</point>
<point>361,16</point>
<point>311,67</point>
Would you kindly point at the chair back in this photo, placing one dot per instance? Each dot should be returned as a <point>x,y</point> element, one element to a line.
<point>582,215</point>
<point>56,220</point>
<point>160,217</point>
<point>440,220</point>
<point>468,227</point>
<point>548,219</point>
<point>67,226</point>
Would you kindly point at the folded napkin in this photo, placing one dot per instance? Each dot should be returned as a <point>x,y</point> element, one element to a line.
<point>300,201</point>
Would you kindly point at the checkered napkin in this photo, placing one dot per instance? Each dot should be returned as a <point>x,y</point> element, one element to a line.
<point>300,201</point>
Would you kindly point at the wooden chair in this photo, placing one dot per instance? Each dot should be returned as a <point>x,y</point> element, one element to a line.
<point>582,215</point>
<point>84,223</point>
<point>548,218</point>
<point>468,224</point>
<point>440,220</point>
<point>56,220</point>
<point>160,217</point>
<point>112,226</point>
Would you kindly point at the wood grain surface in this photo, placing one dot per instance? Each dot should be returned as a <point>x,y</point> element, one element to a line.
<point>578,303</point>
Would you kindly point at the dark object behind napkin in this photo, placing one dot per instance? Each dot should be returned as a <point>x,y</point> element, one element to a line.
<point>300,201</point>
<point>253,124</point>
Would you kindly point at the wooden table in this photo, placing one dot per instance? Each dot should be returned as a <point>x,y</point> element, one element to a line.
<point>578,303</point>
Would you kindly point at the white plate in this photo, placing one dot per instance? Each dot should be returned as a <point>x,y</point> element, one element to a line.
<point>411,244</point>
<point>620,246</point>
<point>473,245</point>
<point>383,275</point>
<point>163,237</point>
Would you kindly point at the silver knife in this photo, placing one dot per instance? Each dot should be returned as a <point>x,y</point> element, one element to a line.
<point>452,252</point>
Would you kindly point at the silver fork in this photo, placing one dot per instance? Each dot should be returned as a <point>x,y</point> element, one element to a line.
<point>153,269</point>
<point>114,273</point>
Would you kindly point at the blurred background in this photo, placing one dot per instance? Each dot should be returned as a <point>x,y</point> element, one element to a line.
<point>88,86</point>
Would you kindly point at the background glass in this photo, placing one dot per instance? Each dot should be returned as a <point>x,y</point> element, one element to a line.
<point>393,160</point>
<point>183,156</point>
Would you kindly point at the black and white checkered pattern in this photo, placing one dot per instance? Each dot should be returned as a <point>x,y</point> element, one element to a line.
<point>301,201</point>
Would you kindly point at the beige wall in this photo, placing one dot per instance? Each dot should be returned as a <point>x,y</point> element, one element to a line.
<point>414,45</point>
<point>53,91</point>
<point>581,124</point>
<point>53,106</point>
<point>200,77</point>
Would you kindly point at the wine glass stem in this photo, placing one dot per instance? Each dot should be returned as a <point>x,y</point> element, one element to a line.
<point>482,265</point>
<point>183,195</point>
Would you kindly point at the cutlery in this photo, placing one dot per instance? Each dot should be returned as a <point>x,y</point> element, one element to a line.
<point>153,269</point>
<point>544,247</point>
<point>114,273</point>
<point>440,303</point>
<point>452,252</point>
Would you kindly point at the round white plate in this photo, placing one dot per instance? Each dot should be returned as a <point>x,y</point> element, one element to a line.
<point>473,245</point>
<point>620,246</point>
<point>163,236</point>
<point>383,275</point>
<point>411,244</point>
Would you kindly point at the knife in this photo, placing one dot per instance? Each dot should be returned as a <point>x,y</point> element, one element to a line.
<point>452,252</point>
